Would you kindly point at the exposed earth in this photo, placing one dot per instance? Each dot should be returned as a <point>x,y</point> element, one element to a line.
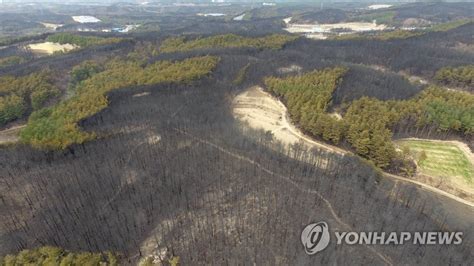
<point>259,110</point>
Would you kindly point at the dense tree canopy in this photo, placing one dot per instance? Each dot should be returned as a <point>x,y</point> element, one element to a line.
<point>84,71</point>
<point>368,122</point>
<point>307,97</point>
<point>383,35</point>
<point>57,127</point>
<point>448,110</point>
<point>364,125</point>
<point>18,94</point>
<point>462,76</point>
<point>11,108</point>
<point>274,41</point>
<point>48,255</point>
<point>82,41</point>
<point>11,60</point>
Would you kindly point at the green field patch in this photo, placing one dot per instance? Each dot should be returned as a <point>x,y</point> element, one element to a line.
<point>442,159</point>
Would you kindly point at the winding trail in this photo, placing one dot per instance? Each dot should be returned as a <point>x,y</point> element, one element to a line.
<point>286,123</point>
<point>151,139</point>
<point>328,204</point>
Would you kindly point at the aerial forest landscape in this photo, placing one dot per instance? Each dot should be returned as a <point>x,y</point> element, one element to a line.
<point>236,133</point>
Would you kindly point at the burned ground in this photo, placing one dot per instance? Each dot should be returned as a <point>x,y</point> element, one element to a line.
<point>172,169</point>
<point>206,191</point>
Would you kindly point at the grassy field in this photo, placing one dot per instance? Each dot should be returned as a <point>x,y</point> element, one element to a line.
<point>443,159</point>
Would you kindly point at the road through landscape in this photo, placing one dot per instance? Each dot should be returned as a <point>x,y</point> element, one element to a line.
<point>261,110</point>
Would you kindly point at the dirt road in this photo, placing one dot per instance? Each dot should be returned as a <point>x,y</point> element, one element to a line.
<point>261,110</point>
<point>302,189</point>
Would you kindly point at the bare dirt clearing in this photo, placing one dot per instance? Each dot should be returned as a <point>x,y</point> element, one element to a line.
<point>50,47</point>
<point>10,135</point>
<point>262,111</point>
<point>290,69</point>
<point>141,94</point>
<point>51,26</point>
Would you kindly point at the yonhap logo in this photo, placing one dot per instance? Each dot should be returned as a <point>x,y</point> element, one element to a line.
<point>315,237</point>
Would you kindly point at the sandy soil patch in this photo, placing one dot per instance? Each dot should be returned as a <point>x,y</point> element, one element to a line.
<point>141,94</point>
<point>414,79</point>
<point>239,18</point>
<point>290,69</point>
<point>336,115</point>
<point>10,135</point>
<point>153,139</point>
<point>51,25</point>
<point>260,110</point>
<point>51,47</point>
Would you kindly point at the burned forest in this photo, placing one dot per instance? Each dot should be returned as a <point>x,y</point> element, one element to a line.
<point>121,144</point>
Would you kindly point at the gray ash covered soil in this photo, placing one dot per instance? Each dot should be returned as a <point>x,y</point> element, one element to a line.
<point>214,194</point>
<point>174,166</point>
